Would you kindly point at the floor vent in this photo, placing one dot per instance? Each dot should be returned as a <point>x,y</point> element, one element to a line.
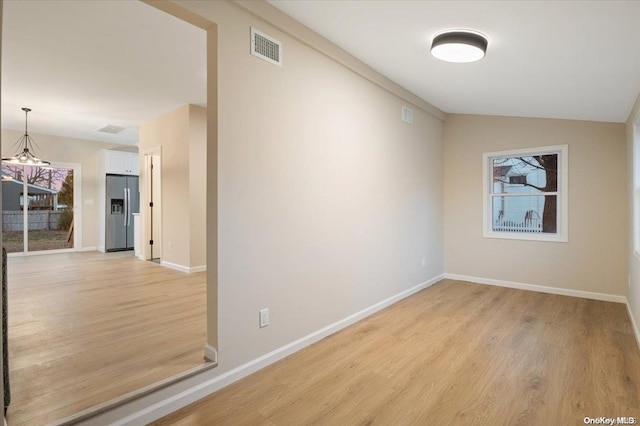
<point>266,47</point>
<point>407,114</point>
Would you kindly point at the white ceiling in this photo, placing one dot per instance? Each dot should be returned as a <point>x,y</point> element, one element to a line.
<point>80,65</point>
<point>555,59</point>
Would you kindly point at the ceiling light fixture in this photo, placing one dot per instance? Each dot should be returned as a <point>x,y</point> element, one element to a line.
<point>26,142</point>
<point>459,46</point>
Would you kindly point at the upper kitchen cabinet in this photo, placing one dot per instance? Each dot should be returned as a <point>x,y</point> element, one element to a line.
<point>119,162</point>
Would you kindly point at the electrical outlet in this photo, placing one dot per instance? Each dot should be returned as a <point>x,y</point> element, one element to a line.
<point>424,261</point>
<point>264,317</point>
<point>170,245</point>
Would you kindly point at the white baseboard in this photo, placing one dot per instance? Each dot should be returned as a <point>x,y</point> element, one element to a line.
<point>41,253</point>
<point>210,353</point>
<point>175,266</point>
<point>101,249</point>
<point>634,324</point>
<point>540,288</point>
<point>182,268</point>
<point>167,403</point>
<point>88,248</point>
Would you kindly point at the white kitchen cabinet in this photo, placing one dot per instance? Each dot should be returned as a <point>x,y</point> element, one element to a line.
<point>121,163</point>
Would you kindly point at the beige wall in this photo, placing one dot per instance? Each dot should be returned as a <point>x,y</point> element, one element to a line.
<point>633,295</point>
<point>328,202</point>
<point>171,132</point>
<point>594,259</point>
<point>198,185</point>
<point>181,134</point>
<point>58,149</point>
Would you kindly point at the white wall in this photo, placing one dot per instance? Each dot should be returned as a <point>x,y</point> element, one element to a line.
<point>328,202</point>
<point>633,295</point>
<point>59,149</point>
<point>594,259</point>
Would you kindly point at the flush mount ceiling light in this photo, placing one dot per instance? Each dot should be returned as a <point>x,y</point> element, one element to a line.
<point>459,46</point>
<point>26,156</point>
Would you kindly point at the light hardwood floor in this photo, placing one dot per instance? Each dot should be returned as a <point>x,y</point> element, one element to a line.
<point>88,327</point>
<point>454,354</point>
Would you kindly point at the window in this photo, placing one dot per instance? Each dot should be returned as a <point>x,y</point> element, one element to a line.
<point>525,194</point>
<point>37,208</point>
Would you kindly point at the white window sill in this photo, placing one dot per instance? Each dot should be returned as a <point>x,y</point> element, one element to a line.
<point>555,238</point>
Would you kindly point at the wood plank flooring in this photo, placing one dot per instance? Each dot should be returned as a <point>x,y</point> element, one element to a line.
<point>85,328</point>
<point>454,354</point>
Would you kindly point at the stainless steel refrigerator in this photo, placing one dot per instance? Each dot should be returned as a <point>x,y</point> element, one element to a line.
<point>123,199</point>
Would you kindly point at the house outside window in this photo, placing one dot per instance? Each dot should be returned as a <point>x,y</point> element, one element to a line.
<point>525,194</point>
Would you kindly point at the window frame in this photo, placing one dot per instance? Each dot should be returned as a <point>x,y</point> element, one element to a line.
<point>636,189</point>
<point>562,234</point>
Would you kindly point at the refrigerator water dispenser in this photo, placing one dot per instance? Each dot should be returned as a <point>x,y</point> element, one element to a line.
<point>117,206</point>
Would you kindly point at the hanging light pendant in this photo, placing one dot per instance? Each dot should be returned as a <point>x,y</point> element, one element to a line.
<point>26,143</point>
<point>459,46</point>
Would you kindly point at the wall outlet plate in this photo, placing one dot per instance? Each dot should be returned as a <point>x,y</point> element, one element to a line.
<point>264,317</point>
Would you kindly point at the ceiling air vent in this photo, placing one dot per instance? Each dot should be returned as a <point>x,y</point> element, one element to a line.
<point>110,128</point>
<point>407,114</point>
<point>266,47</point>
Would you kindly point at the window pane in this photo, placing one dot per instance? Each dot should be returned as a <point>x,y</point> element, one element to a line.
<point>12,208</point>
<point>48,204</point>
<point>527,213</point>
<point>50,208</point>
<point>525,175</point>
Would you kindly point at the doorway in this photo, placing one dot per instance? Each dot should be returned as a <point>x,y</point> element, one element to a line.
<point>153,166</point>
<point>128,268</point>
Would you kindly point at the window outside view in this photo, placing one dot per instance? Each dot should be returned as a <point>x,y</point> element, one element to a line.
<point>524,194</point>
<point>48,222</point>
